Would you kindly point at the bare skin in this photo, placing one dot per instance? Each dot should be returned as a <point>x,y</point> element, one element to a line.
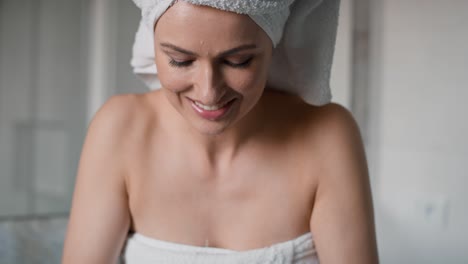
<point>273,169</point>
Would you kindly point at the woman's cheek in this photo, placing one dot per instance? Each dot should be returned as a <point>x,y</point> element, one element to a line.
<point>248,81</point>
<point>172,79</point>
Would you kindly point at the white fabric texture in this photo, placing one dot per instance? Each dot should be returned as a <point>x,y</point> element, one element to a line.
<point>144,250</point>
<point>303,33</point>
<point>270,15</point>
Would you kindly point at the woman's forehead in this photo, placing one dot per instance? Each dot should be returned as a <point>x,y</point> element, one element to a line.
<point>185,22</point>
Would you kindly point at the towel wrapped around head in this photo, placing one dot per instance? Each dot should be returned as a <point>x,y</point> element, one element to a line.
<point>303,33</point>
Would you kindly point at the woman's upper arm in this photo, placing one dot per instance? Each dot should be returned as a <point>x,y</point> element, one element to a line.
<point>99,217</point>
<point>342,220</point>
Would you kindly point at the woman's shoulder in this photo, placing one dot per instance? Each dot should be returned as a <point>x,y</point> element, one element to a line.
<point>336,138</point>
<point>332,129</point>
<point>332,118</point>
<point>323,123</point>
<point>120,118</point>
<point>327,130</point>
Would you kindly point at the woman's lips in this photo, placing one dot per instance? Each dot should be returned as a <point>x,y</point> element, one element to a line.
<point>212,114</point>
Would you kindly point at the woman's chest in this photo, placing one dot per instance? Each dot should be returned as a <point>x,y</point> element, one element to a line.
<point>178,199</point>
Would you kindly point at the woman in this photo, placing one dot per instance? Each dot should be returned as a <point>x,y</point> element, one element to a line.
<point>213,167</point>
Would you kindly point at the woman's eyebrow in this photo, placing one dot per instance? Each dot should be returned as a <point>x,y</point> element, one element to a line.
<point>179,49</point>
<point>222,54</point>
<point>237,49</point>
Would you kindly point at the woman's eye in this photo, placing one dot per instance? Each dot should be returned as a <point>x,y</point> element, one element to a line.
<point>243,64</point>
<point>175,63</point>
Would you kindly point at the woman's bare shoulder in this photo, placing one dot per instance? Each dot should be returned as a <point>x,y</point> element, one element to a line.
<point>322,125</point>
<point>119,110</point>
<point>333,137</point>
<point>332,125</point>
<point>343,202</point>
<point>329,113</point>
<point>120,116</point>
<point>332,117</point>
<point>101,189</point>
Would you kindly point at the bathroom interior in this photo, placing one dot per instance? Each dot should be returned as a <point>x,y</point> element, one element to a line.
<point>400,67</point>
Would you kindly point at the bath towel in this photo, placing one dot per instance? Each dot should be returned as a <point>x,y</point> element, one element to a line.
<point>303,33</point>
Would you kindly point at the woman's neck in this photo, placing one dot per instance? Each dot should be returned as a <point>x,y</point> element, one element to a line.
<point>226,145</point>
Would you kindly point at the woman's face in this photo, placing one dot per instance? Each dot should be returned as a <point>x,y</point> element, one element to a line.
<point>212,64</point>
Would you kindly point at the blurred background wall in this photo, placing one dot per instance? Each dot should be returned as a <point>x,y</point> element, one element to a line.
<point>419,123</point>
<point>400,66</point>
<point>42,103</point>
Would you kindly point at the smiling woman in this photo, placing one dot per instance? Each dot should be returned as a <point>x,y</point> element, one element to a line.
<point>218,166</point>
<point>208,71</point>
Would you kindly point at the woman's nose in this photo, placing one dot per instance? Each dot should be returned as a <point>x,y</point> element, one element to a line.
<point>210,84</point>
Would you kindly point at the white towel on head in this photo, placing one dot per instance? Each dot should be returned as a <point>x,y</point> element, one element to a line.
<point>302,59</point>
<point>270,15</point>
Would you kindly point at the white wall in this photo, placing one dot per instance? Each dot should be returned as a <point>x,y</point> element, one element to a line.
<point>42,104</point>
<point>420,82</point>
<point>341,71</point>
<point>14,67</point>
<point>128,18</point>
